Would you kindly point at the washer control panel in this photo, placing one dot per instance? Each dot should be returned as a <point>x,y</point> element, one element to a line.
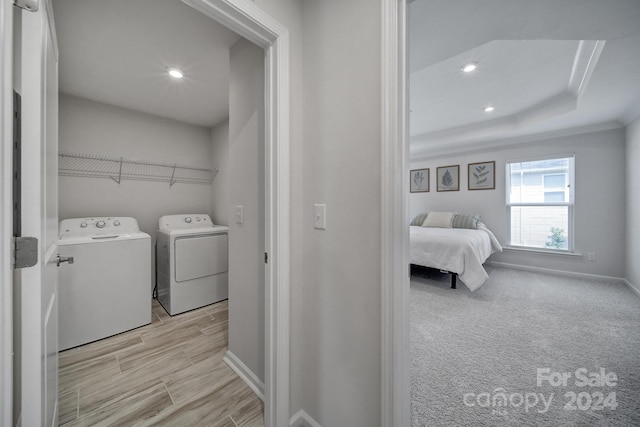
<point>187,221</point>
<point>79,227</point>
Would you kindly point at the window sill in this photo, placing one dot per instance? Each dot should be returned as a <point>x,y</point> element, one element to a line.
<point>542,251</point>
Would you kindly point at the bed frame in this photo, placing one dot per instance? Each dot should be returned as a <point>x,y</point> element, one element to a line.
<point>454,276</point>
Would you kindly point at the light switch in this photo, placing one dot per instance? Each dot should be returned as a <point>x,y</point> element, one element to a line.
<point>239,214</point>
<point>320,217</point>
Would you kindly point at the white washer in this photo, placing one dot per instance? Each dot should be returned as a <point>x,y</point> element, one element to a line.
<point>107,289</point>
<point>192,262</point>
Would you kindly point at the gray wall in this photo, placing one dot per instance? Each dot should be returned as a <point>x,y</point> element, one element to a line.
<point>92,127</point>
<point>302,366</point>
<point>335,274</point>
<point>220,185</point>
<point>599,199</point>
<point>336,323</point>
<point>245,183</point>
<point>633,204</point>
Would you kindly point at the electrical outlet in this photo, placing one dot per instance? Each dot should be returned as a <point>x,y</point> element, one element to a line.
<point>591,256</point>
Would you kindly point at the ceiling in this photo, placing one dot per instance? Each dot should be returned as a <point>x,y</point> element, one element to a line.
<point>546,67</point>
<point>117,52</point>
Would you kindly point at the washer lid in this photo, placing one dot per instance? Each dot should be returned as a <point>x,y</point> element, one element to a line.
<point>169,223</point>
<point>103,238</point>
<point>98,226</point>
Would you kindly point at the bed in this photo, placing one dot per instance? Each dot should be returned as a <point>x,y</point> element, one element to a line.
<point>459,251</point>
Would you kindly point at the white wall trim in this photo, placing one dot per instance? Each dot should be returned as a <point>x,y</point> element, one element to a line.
<point>541,251</point>
<point>302,419</point>
<point>255,25</point>
<point>6,229</point>
<point>564,273</point>
<point>584,63</point>
<point>434,151</point>
<point>245,373</point>
<point>635,289</point>
<point>394,408</point>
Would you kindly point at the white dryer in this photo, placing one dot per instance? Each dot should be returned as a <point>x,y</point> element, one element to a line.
<point>191,262</point>
<point>107,289</point>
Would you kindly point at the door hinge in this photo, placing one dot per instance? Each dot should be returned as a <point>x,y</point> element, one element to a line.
<point>26,253</point>
<point>30,5</point>
<point>266,258</point>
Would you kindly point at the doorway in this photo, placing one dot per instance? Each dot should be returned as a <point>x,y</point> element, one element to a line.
<point>270,36</point>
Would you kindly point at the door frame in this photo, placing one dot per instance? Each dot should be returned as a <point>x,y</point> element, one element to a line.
<point>6,229</point>
<point>394,397</point>
<point>255,25</point>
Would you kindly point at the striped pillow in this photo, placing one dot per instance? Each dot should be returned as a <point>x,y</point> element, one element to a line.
<point>419,219</point>
<point>465,221</point>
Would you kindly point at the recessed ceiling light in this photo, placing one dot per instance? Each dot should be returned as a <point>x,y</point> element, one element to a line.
<point>488,109</point>
<point>469,67</point>
<point>176,73</point>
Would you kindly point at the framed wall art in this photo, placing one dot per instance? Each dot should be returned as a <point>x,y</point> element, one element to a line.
<point>448,178</point>
<point>419,180</point>
<point>482,176</point>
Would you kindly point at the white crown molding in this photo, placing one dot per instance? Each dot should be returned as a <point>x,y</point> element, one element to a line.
<point>245,373</point>
<point>584,62</point>
<point>481,145</point>
<point>632,114</point>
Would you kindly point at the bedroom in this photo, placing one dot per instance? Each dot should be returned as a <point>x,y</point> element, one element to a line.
<point>563,85</point>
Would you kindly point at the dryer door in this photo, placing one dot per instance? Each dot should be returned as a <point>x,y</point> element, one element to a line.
<point>200,256</point>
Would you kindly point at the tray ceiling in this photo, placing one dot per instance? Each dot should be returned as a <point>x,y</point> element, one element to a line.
<point>544,66</point>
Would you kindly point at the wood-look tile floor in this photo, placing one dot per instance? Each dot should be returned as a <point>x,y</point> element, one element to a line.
<point>170,372</point>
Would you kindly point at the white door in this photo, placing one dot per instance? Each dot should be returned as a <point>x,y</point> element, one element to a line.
<point>39,91</point>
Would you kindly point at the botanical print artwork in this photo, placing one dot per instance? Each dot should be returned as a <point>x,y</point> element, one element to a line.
<point>419,180</point>
<point>482,176</point>
<point>448,178</point>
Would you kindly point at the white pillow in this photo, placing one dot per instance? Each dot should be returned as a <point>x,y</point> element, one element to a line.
<point>439,219</point>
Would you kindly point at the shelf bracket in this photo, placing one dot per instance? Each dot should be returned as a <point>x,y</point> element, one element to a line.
<point>173,174</point>
<point>119,173</point>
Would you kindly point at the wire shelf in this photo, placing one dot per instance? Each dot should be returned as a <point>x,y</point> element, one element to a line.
<point>119,168</point>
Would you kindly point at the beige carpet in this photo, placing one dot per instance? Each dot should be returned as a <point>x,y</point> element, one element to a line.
<point>475,356</point>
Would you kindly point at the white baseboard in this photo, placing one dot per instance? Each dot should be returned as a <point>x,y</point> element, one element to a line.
<point>245,373</point>
<point>302,419</point>
<point>559,272</point>
<point>635,289</point>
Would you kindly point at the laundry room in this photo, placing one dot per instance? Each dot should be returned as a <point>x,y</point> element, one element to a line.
<point>161,128</point>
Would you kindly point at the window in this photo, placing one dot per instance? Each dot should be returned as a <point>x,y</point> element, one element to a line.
<point>540,197</point>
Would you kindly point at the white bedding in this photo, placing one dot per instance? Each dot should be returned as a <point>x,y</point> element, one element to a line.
<point>458,250</point>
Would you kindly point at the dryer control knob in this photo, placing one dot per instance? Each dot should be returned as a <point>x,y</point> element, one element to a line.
<point>116,223</point>
<point>198,218</point>
<point>83,225</point>
<point>188,220</point>
<point>100,224</point>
